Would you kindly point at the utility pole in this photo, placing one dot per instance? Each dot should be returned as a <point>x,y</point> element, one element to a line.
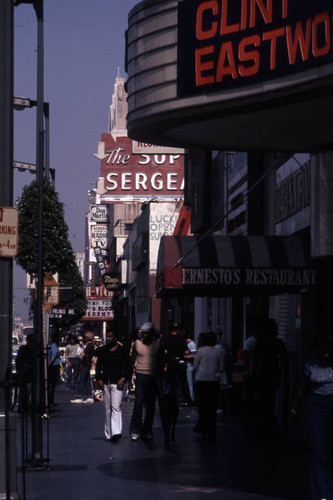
<point>38,386</point>
<point>37,459</point>
<point>8,480</point>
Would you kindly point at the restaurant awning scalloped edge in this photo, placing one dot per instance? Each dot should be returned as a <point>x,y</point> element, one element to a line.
<point>234,265</point>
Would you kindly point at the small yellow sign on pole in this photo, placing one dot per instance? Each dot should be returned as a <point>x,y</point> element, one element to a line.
<point>8,232</point>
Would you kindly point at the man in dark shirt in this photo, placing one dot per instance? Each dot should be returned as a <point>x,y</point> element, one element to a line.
<point>25,365</point>
<point>175,350</point>
<point>113,369</point>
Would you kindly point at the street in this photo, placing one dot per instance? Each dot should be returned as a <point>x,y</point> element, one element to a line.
<point>83,465</point>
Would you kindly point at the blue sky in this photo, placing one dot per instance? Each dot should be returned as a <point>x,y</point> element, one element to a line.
<point>84,46</point>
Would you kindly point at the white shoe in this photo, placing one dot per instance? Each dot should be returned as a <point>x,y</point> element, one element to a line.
<point>88,401</point>
<point>77,400</point>
<point>134,437</point>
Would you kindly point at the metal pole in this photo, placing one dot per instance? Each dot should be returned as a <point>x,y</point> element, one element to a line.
<point>7,422</point>
<point>47,139</point>
<point>37,441</point>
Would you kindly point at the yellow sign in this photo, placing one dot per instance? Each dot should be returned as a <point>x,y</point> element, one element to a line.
<point>8,232</point>
<point>50,279</point>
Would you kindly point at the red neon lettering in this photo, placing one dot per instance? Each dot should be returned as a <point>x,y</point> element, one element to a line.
<point>225,29</point>
<point>244,15</point>
<point>222,68</point>
<point>319,19</point>
<point>249,55</point>
<point>266,12</point>
<point>300,40</point>
<point>273,36</point>
<point>284,9</point>
<point>200,32</point>
<point>201,66</point>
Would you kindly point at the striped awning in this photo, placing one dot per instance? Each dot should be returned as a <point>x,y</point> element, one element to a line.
<point>229,265</point>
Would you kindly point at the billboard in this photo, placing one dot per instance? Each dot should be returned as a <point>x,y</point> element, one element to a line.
<point>137,169</point>
<point>230,43</point>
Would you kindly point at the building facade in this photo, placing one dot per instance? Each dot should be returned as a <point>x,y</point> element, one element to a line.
<point>245,90</point>
<point>136,200</point>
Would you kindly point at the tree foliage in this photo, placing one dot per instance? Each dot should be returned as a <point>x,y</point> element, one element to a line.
<point>58,254</point>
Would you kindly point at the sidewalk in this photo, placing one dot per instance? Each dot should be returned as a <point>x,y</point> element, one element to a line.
<point>83,465</point>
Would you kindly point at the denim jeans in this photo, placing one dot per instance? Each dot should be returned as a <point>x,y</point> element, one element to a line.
<point>84,385</point>
<point>321,436</point>
<point>145,396</point>
<point>190,380</point>
<point>72,373</point>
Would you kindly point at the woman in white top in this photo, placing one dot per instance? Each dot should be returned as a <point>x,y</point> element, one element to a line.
<point>208,366</point>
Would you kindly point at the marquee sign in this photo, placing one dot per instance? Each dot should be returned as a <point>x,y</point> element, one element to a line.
<point>99,304</point>
<point>223,44</point>
<point>147,173</point>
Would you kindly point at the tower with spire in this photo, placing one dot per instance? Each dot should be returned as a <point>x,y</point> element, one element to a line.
<point>118,109</point>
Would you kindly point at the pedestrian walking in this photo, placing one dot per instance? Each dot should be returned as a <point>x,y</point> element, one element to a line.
<point>175,351</point>
<point>318,382</point>
<point>72,355</point>
<point>25,364</point>
<point>113,369</point>
<point>271,374</point>
<point>255,329</point>
<point>208,366</point>
<point>85,384</point>
<point>192,348</point>
<point>53,370</point>
<point>146,356</point>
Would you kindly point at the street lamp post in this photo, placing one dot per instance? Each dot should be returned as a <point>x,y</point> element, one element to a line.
<point>37,460</point>
<point>8,484</point>
<point>21,103</point>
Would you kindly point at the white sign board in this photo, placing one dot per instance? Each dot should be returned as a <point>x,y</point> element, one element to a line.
<point>99,236</point>
<point>162,221</point>
<point>143,147</point>
<point>8,232</point>
<point>98,310</point>
<point>100,213</point>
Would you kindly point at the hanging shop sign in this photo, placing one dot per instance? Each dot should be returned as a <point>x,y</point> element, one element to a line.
<point>148,173</point>
<point>100,260</point>
<point>99,235</point>
<point>100,213</point>
<point>223,44</point>
<point>111,281</point>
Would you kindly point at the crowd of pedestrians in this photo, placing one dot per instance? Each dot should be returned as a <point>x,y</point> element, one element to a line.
<point>175,370</point>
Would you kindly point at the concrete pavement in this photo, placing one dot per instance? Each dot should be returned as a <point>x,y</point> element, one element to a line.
<point>83,465</point>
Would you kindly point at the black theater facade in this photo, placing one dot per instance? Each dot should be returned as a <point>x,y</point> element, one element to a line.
<point>247,88</point>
